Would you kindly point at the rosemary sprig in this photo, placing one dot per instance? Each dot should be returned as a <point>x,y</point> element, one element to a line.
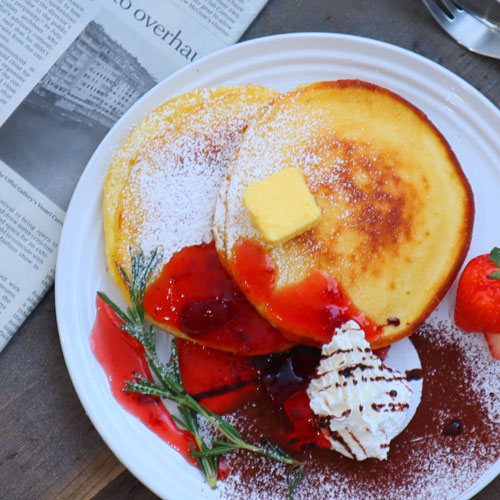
<point>170,385</point>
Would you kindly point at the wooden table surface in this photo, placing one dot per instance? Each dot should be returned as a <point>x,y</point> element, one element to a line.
<point>49,449</point>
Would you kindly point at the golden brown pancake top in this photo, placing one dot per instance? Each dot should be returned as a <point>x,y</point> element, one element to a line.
<point>397,211</point>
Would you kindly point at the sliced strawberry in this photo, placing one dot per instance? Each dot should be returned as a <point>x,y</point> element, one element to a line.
<point>493,340</point>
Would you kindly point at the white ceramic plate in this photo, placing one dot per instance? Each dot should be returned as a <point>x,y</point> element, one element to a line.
<point>466,118</point>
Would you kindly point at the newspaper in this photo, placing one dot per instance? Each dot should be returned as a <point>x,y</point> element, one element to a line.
<point>69,70</point>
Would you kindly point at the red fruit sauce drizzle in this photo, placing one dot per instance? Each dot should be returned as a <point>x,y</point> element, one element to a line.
<point>312,309</point>
<point>220,381</point>
<point>196,295</point>
<point>275,385</point>
<point>121,356</point>
<point>225,382</point>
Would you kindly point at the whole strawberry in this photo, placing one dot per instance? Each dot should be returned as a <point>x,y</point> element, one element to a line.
<point>477,307</point>
<point>478,296</point>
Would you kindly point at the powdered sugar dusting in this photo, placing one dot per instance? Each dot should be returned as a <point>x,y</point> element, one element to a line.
<point>358,188</point>
<point>174,178</point>
<point>262,152</point>
<point>265,150</point>
<point>482,371</point>
<point>175,187</point>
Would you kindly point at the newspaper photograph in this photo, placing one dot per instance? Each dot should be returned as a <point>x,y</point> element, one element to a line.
<point>69,70</point>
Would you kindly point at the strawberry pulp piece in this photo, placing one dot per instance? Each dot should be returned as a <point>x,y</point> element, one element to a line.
<point>301,417</point>
<point>224,382</point>
<point>219,380</point>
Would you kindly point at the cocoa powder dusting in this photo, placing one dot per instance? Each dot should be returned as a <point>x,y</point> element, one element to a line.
<point>423,462</point>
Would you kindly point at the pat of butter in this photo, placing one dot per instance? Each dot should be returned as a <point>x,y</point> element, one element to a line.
<point>281,206</point>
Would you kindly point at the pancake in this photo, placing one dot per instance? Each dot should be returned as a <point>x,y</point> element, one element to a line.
<point>397,210</point>
<point>161,190</point>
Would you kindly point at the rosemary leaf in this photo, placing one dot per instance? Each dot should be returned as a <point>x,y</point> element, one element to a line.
<point>170,384</point>
<point>294,479</point>
<point>215,450</point>
<point>145,389</point>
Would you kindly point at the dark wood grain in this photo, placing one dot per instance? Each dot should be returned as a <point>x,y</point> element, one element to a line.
<point>49,449</point>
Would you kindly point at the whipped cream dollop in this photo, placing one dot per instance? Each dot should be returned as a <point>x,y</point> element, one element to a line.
<point>359,402</point>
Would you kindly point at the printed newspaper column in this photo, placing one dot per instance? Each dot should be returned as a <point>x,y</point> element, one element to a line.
<point>225,19</point>
<point>69,70</point>
<point>32,34</point>
<point>30,225</point>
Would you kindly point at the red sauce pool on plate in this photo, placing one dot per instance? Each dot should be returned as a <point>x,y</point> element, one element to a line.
<point>424,458</point>
<point>121,356</point>
<point>221,381</point>
<point>225,382</point>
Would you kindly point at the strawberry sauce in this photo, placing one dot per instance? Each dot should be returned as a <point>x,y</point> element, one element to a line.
<point>226,382</point>
<point>311,309</point>
<point>221,381</point>
<point>433,455</point>
<point>196,295</point>
<point>121,356</point>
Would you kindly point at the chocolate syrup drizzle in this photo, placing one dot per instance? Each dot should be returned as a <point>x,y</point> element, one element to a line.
<point>416,461</point>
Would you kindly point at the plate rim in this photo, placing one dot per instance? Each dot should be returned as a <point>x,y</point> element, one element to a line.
<point>137,109</point>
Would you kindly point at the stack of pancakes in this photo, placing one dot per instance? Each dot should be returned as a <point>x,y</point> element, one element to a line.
<point>397,210</point>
